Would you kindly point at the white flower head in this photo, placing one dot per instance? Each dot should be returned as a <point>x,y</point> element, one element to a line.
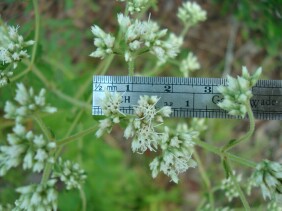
<point>110,106</point>
<point>268,176</point>
<point>238,92</point>
<point>37,197</point>
<point>27,102</point>
<point>135,6</point>
<point>32,151</point>
<point>177,150</point>
<point>142,125</point>
<point>190,13</point>
<point>13,46</point>
<point>70,173</point>
<point>229,188</point>
<point>189,64</point>
<point>103,41</point>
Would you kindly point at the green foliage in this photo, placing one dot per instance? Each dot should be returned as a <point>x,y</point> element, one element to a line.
<point>262,21</point>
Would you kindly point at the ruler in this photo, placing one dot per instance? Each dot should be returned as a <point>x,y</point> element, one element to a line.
<point>188,97</point>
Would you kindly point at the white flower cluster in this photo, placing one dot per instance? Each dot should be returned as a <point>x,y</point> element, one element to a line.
<point>238,92</point>
<point>268,176</point>
<point>190,13</point>
<point>146,35</point>
<point>103,41</point>
<point>42,197</point>
<point>199,124</point>
<point>177,149</point>
<point>110,106</point>
<point>12,50</point>
<point>189,64</point>
<point>136,5</point>
<point>27,102</point>
<point>5,77</point>
<point>141,127</point>
<point>70,173</point>
<point>229,188</point>
<point>26,148</point>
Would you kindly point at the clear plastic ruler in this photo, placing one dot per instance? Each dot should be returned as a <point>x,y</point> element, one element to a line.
<point>188,97</point>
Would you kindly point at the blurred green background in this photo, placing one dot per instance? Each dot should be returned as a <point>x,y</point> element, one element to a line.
<point>235,33</point>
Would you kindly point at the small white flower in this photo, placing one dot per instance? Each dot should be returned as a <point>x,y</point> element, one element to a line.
<point>268,175</point>
<point>123,21</point>
<point>24,147</point>
<point>104,42</point>
<point>191,13</point>
<point>229,188</point>
<point>137,5</point>
<point>176,154</point>
<point>238,92</point>
<point>70,173</point>
<point>12,44</point>
<point>189,64</point>
<point>28,103</point>
<point>37,197</point>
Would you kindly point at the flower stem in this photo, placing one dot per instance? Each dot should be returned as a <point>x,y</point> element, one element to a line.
<point>51,86</point>
<point>36,36</point>
<point>184,31</point>
<point>34,48</point>
<point>237,185</point>
<point>233,143</point>
<point>83,199</point>
<point>76,136</point>
<point>217,151</point>
<point>43,127</point>
<point>205,178</point>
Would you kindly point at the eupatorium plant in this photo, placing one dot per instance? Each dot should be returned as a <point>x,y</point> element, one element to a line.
<point>30,141</point>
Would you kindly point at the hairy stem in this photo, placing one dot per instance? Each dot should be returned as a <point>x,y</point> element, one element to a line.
<point>218,151</point>
<point>51,86</point>
<point>76,136</point>
<point>231,144</point>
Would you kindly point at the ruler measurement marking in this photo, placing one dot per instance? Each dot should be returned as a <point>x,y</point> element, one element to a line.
<point>266,103</point>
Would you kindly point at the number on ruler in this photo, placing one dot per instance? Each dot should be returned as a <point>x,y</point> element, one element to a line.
<point>208,89</point>
<point>98,87</point>
<point>127,88</point>
<point>167,88</point>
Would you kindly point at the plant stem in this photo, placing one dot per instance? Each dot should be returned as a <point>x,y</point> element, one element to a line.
<point>51,86</point>
<point>217,151</point>
<point>184,31</point>
<point>76,136</point>
<point>230,145</point>
<point>43,127</point>
<point>36,36</point>
<point>83,198</point>
<point>205,178</point>
<point>241,194</point>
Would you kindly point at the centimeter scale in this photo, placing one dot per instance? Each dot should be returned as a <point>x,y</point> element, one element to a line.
<point>188,97</point>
